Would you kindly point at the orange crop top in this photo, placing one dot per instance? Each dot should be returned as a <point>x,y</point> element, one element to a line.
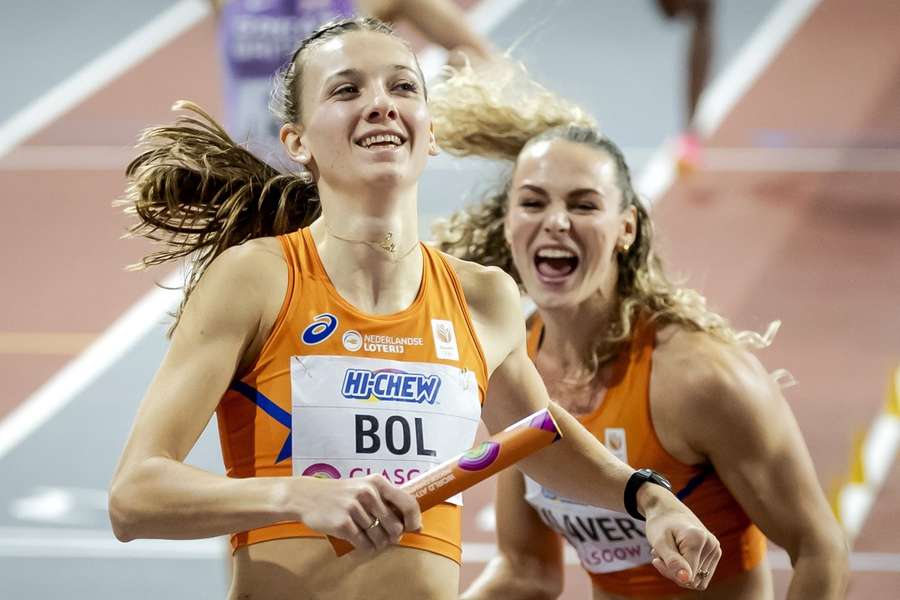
<point>338,393</point>
<point>611,545</point>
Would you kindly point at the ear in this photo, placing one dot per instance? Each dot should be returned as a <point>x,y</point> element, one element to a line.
<point>433,149</point>
<point>627,228</point>
<point>291,136</point>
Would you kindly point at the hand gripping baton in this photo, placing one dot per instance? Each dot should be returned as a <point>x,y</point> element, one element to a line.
<point>461,472</point>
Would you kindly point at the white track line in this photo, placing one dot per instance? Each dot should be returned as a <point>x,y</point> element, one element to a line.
<point>82,371</point>
<point>99,72</point>
<point>34,542</point>
<point>873,460</point>
<point>41,542</point>
<point>145,315</point>
<point>801,160</point>
<point>715,159</point>
<point>51,397</point>
<point>767,41</point>
<point>726,90</point>
<point>144,42</point>
<point>484,17</point>
<point>151,310</point>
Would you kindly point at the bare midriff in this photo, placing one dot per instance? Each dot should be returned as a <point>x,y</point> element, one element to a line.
<point>306,568</point>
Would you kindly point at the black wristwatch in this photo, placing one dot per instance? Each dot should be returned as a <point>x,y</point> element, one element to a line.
<point>637,479</point>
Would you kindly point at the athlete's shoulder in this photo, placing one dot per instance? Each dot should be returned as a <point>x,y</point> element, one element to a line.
<point>240,283</point>
<point>487,289</point>
<point>710,376</point>
<point>475,274</point>
<point>253,260</point>
<point>259,248</point>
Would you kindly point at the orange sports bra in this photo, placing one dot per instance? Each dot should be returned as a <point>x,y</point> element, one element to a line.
<point>611,545</point>
<point>337,393</point>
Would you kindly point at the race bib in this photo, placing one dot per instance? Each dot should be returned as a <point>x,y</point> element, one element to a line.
<point>356,416</point>
<point>606,541</point>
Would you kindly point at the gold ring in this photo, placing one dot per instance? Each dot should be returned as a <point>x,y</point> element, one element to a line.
<point>375,523</point>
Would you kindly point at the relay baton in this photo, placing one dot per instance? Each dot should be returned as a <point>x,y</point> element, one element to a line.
<point>461,472</point>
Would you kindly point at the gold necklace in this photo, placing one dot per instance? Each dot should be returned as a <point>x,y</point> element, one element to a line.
<point>386,244</point>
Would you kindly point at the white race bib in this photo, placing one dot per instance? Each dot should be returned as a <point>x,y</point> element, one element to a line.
<point>606,541</point>
<point>356,416</point>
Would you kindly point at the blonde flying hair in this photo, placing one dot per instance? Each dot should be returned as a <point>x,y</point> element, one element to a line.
<point>197,192</point>
<point>497,114</point>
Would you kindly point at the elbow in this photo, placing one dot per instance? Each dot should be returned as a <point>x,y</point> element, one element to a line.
<point>834,554</point>
<point>834,543</point>
<point>543,578</point>
<point>828,547</point>
<point>121,517</point>
<point>516,575</point>
<point>841,552</point>
<point>550,589</point>
<point>130,514</point>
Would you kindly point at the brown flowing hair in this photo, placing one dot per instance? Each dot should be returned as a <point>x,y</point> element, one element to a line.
<point>197,192</point>
<point>497,114</point>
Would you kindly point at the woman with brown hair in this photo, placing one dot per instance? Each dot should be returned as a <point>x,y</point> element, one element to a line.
<point>334,346</point>
<point>652,372</point>
<point>256,38</point>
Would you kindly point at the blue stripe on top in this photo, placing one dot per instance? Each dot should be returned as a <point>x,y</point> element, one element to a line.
<point>694,483</point>
<point>271,409</point>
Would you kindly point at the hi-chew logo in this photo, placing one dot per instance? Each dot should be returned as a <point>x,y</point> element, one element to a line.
<point>444,339</point>
<point>318,331</point>
<point>390,385</point>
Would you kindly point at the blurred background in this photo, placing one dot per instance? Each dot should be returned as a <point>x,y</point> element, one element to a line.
<point>790,211</point>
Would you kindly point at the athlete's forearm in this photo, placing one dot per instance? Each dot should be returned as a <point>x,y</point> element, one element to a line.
<point>820,571</point>
<point>165,499</point>
<point>579,467</point>
<point>443,23</point>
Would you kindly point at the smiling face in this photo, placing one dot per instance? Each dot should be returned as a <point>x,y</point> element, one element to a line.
<point>364,119</point>
<point>564,222</point>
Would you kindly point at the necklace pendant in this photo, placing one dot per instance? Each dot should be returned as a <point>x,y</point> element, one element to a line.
<point>388,245</point>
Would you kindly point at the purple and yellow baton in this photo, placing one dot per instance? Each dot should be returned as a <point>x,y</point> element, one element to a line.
<point>461,472</point>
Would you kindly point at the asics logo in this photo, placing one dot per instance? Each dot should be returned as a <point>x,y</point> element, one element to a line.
<point>318,331</point>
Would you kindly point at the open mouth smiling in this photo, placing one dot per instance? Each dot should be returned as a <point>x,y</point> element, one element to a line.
<point>380,141</point>
<point>555,263</point>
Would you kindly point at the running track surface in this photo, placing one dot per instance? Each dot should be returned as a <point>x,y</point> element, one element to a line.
<point>816,249</point>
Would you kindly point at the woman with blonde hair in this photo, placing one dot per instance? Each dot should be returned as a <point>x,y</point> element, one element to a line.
<point>647,368</point>
<point>335,347</point>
